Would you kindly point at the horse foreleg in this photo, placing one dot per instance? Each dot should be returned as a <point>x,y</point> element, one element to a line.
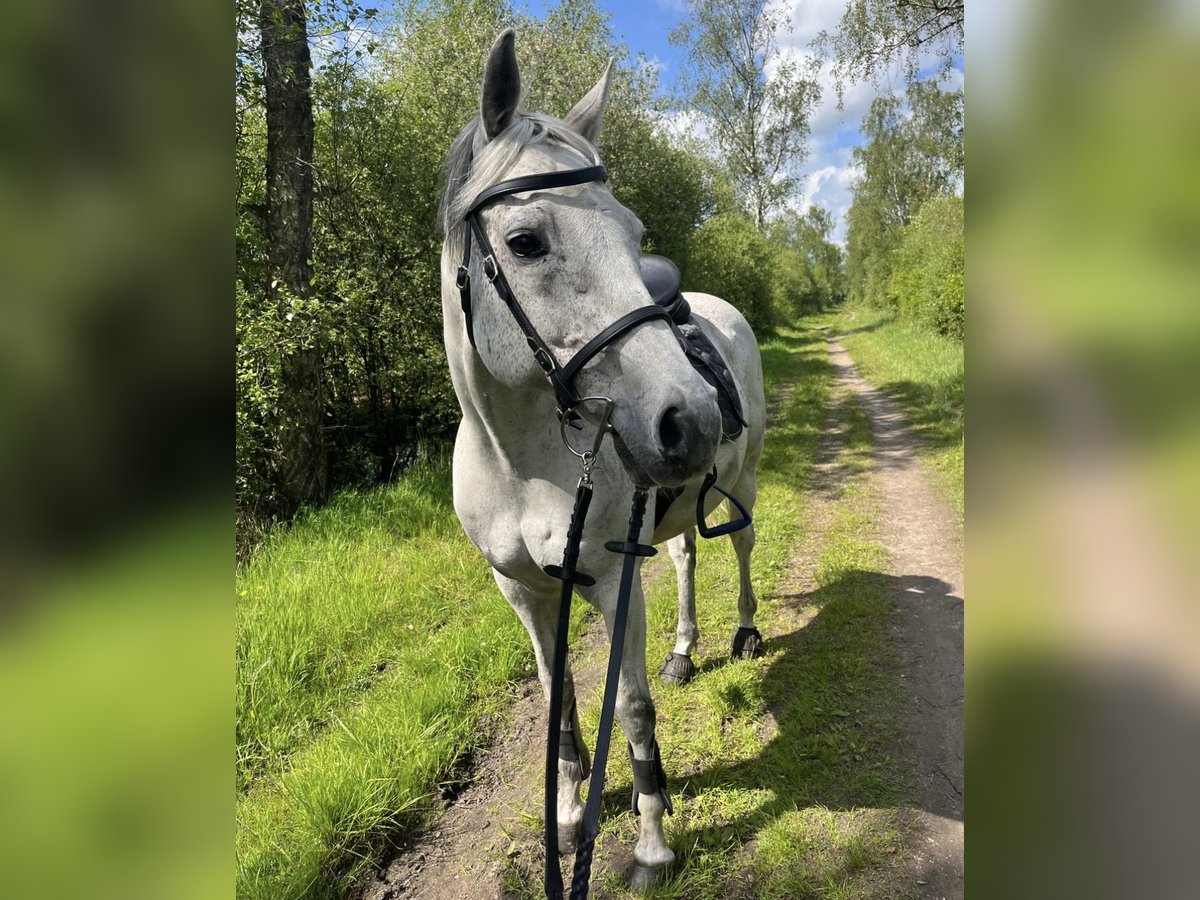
<point>747,642</point>
<point>538,612</point>
<point>635,713</point>
<point>679,668</point>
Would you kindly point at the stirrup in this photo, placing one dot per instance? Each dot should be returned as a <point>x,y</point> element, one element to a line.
<point>710,481</point>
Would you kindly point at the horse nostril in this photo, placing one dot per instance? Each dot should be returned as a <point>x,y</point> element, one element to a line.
<point>670,435</point>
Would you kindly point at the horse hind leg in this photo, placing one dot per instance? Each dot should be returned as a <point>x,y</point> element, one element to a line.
<point>538,612</point>
<point>747,642</point>
<point>679,668</point>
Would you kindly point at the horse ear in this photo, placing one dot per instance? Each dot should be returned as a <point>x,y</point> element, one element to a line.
<point>501,85</point>
<point>587,115</point>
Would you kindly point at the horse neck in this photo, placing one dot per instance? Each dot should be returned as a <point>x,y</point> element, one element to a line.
<point>488,404</point>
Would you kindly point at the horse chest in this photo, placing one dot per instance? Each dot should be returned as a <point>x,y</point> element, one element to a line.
<point>516,523</point>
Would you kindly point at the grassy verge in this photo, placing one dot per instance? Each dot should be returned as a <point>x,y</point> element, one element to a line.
<point>782,768</point>
<point>373,652</point>
<point>923,371</point>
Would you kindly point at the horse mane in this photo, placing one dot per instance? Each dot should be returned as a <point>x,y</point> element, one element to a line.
<point>469,170</point>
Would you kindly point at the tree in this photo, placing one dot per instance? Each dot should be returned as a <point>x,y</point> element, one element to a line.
<point>905,160</point>
<point>731,259</point>
<point>758,123</point>
<point>874,34</point>
<point>927,283</point>
<point>809,270</point>
<point>289,175</point>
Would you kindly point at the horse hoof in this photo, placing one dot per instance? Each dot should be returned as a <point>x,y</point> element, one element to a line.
<point>568,839</point>
<point>678,669</point>
<point>747,644</point>
<point>645,877</point>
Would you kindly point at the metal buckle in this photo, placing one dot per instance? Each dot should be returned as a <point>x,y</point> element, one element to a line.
<point>489,267</point>
<point>463,278</point>
<point>588,457</point>
<point>543,358</point>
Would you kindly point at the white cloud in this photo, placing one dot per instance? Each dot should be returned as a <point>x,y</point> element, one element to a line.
<point>809,18</point>
<point>828,173</point>
<point>827,180</point>
<point>685,123</point>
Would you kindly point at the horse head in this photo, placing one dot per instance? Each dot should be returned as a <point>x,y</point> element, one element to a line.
<point>569,256</point>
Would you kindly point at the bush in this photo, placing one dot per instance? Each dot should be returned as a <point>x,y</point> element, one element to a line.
<point>729,258</point>
<point>926,283</point>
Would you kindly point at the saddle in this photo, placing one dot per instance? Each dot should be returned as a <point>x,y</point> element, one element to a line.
<point>661,278</point>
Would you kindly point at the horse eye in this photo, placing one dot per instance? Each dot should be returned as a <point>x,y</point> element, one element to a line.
<point>526,244</point>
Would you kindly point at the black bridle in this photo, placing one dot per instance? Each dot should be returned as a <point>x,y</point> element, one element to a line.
<point>649,778</point>
<point>561,377</point>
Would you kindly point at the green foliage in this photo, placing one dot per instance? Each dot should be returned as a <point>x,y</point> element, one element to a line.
<point>874,35</point>
<point>731,259</point>
<point>927,274</point>
<point>268,333</point>
<point>906,160</point>
<point>809,274</point>
<point>759,124</point>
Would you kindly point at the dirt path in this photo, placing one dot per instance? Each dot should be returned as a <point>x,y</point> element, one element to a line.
<point>924,546</point>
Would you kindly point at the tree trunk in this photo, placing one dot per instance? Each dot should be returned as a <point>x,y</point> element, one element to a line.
<point>286,64</point>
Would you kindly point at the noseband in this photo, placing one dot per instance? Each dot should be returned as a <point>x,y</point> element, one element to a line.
<point>562,378</point>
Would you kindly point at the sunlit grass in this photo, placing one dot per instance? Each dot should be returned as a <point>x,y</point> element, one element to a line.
<point>373,649</point>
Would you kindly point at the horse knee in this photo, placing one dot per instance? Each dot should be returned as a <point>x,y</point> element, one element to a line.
<point>636,712</point>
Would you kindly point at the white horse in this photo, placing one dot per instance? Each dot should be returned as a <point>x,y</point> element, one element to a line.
<point>570,254</point>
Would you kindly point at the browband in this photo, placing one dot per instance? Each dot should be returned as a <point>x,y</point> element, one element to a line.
<point>542,182</point>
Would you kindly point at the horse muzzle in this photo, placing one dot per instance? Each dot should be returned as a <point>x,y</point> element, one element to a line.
<point>671,447</point>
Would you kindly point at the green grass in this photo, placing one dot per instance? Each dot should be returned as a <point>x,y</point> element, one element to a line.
<point>373,653</point>
<point>923,371</point>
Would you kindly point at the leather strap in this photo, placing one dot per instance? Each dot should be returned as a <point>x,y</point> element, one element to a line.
<point>590,826</point>
<point>583,499</point>
<point>545,181</point>
<point>627,322</point>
